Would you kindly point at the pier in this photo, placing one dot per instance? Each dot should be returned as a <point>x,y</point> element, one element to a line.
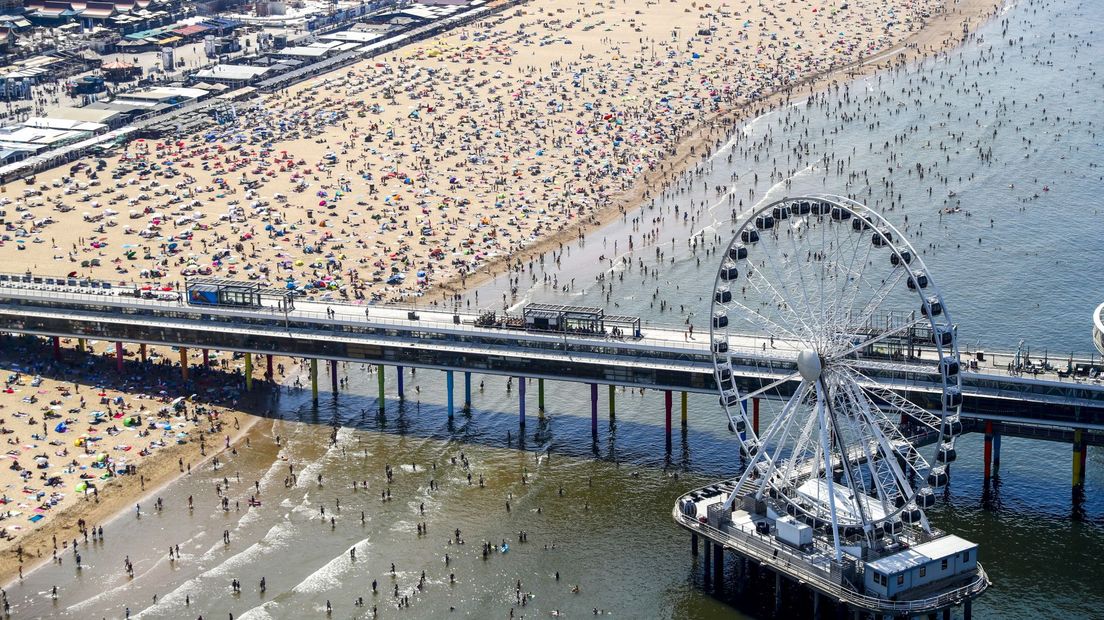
<point>995,400</point>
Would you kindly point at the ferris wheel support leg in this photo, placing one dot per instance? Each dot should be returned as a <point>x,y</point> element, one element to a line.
<point>667,409</point>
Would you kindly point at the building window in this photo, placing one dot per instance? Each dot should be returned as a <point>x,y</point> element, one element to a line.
<point>900,580</point>
<point>923,571</point>
<point>965,556</point>
<point>944,566</point>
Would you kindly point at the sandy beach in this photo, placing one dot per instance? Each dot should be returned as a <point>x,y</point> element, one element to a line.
<point>413,175</point>
<point>85,443</point>
<point>420,169</point>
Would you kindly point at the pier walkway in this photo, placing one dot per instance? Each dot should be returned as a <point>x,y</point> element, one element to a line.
<point>660,358</point>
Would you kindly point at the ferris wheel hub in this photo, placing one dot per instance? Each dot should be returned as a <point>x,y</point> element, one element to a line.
<point>808,364</point>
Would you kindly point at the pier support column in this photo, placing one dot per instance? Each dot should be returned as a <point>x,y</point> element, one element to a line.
<point>142,352</point>
<point>755,415</point>
<point>380,379</point>
<point>684,408</point>
<point>521,402</point>
<point>268,367</point>
<point>708,574</point>
<point>399,376</point>
<point>206,358</point>
<point>248,372</point>
<point>594,410</point>
<point>947,614</point>
<point>540,397</point>
<point>996,453</point>
<point>57,348</point>
<point>967,609</point>
<point>119,357</point>
<point>184,363</point>
<point>467,392</point>
<point>816,605</point>
<point>612,401</point>
<point>333,376</point>
<point>718,567</point>
<point>314,380</point>
<point>777,593</point>
<point>80,344</point>
<point>988,453</point>
<point>1078,448</point>
<point>448,392</point>
<point>694,544</point>
<point>667,410</point>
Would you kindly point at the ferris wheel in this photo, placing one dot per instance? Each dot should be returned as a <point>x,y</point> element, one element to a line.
<point>821,302</point>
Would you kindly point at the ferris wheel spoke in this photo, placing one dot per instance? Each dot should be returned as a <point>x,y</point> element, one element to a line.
<point>876,339</point>
<point>807,319</point>
<point>885,483</point>
<point>763,322</point>
<point>879,295</point>
<point>857,277</point>
<point>896,441</point>
<point>780,302</point>
<point>771,386</point>
<point>779,426</point>
<point>802,228</point>
<point>900,404</point>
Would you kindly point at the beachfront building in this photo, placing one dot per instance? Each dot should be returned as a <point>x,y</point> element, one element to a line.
<point>233,76</point>
<point>18,142</point>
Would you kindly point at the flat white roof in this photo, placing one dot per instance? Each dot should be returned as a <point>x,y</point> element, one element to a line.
<point>63,124</point>
<point>817,491</point>
<point>945,546</point>
<point>357,36</point>
<point>306,51</point>
<point>899,562</point>
<point>90,115</point>
<point>921,554</point>
<point>231,72</point>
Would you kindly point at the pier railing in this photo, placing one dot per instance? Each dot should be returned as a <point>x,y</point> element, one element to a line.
<point>798,567</point>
